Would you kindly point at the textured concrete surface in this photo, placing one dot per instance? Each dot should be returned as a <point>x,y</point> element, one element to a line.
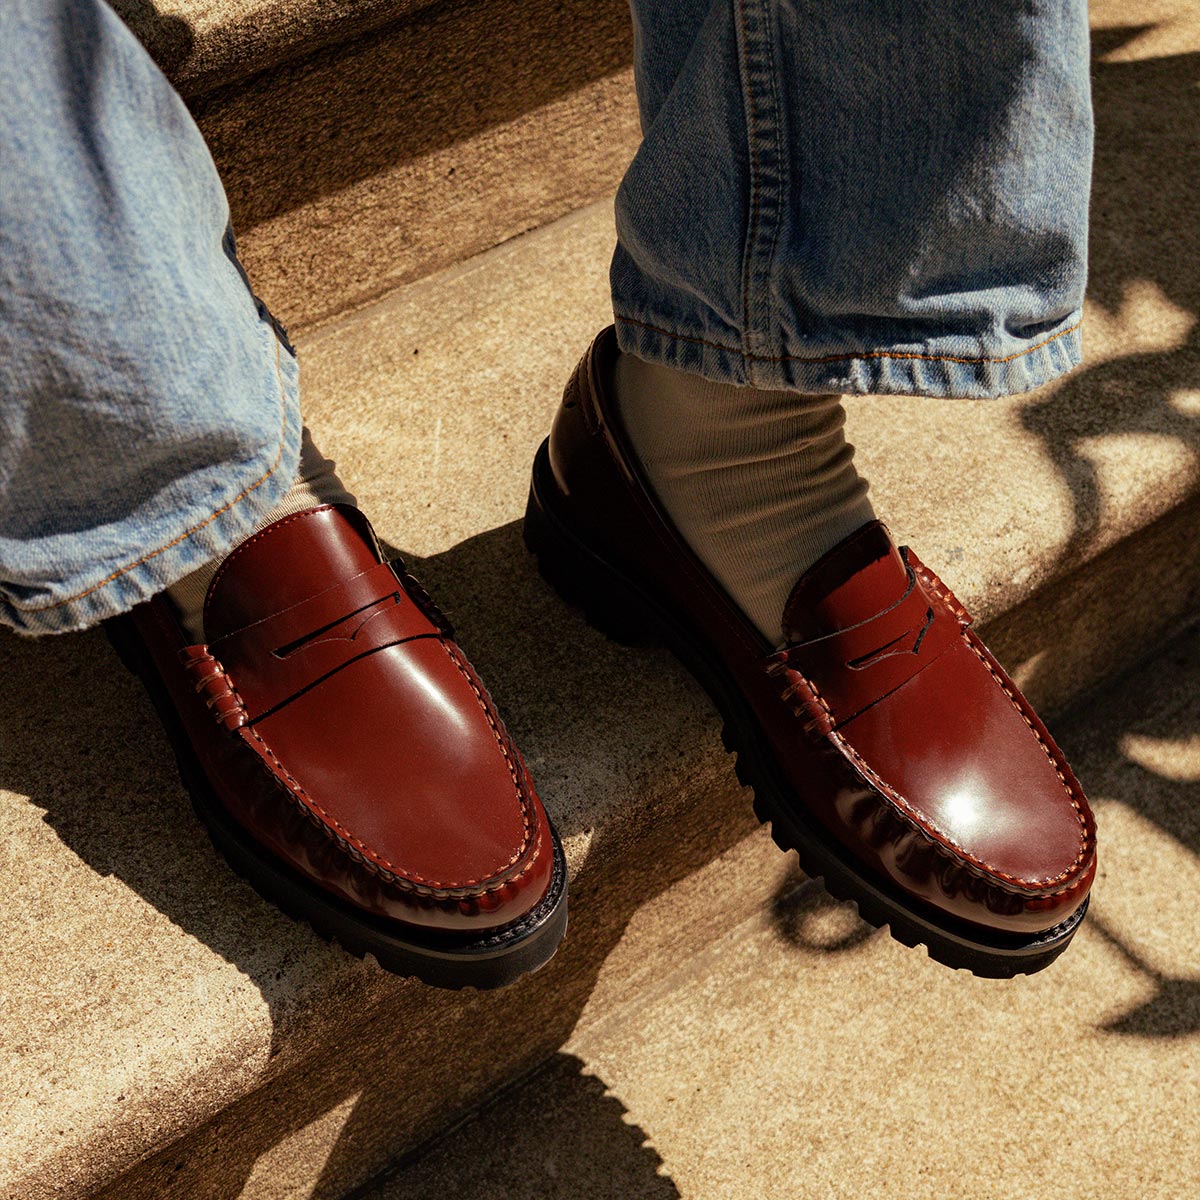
<point>803,1054</point>
<point>205,45</point>
<point>367,143</point>
<point>157,996</point>
<point>376,162</point>
<point>150,1005</point>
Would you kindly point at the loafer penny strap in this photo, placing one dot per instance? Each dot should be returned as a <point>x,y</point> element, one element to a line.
<point>844,672</point>
<point>267,663</point>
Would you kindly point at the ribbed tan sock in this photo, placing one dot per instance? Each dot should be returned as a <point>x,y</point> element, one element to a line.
<point>760,484</point>
<point>316,483</point>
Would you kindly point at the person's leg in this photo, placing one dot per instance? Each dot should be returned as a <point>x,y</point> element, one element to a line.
<point>863,196</point>
<point>149,403</point>
<point>338,744</point>
<point>149,412</point>
<point>836,198</point>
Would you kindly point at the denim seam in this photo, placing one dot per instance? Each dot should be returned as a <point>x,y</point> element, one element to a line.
<point>755,195</point>
<point>782,194</point>
<point>763,225</point>
<point>761,87</point>
<point>859,354</point>
<point>195,528</point>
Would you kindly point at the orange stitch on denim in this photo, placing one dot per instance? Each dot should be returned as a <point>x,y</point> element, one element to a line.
<point>195,528</point>
<point>829,358</point>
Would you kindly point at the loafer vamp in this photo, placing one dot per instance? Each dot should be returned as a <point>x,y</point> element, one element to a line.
<point>1007,829</point>
<point>404,758</point>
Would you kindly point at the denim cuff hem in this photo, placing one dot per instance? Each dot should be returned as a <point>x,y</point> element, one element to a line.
<point>191,534</point>
<point>934,370</point>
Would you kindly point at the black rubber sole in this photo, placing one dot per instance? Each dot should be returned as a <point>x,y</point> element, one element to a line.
<point>617,606</point>
<point>452,961</point>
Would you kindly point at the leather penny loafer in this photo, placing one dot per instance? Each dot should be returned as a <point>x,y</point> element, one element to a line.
<point>883,741</point>
<point>347,759</point>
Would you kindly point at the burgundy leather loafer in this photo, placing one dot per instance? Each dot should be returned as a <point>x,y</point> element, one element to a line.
<point>883,742</point>
<point>349,762</point>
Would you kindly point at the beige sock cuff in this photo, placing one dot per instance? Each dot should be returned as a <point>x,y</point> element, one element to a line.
<point>760,484</point>
<point>317,482</point>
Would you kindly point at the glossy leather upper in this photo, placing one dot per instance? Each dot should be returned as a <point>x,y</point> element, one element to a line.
<point>888,718</point>
<point>340,724</point>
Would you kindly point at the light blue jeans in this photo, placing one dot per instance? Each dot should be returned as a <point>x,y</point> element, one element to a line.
<point>858,195</point>
<point>850,195</point>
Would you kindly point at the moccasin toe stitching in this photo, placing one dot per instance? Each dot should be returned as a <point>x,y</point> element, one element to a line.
<point>385,802</point>
<point>1001,836</point>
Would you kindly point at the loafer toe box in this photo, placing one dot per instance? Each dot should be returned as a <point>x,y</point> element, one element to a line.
<point>409,773</point>
<point>974,809</point>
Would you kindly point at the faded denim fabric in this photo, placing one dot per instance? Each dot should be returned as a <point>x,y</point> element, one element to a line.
<point>858,195</point>
<point>149,413</point>
<point>849,196</point>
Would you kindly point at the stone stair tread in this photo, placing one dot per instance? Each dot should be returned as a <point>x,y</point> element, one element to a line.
<point>803,1054</point>
<point>147,990</point>
<point>204,45</point>
<point>365,144</point>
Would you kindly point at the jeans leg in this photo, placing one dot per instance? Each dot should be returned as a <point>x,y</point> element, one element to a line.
<point>149,412</point>
<point>858,195</point>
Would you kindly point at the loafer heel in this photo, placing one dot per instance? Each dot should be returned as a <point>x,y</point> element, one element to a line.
<point>576,574</point>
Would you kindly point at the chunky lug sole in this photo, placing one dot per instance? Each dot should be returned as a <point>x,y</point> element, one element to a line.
<point>454,961</point>
<point>626,612</point>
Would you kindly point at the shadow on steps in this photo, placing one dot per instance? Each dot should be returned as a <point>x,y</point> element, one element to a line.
<point>1144,246</point>
<point>404,1058</point>
<point>1145,237</point>
<point>564,1136</point>
<point>394,1064</point>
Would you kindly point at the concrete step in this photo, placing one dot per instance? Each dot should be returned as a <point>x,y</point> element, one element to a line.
<point>167,1033</point>
<point>367,143</point>
<point>805,1054</point>
<point>206,46</point>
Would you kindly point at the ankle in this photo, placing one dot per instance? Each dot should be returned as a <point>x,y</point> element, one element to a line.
<point>760,484</point>
<point>317,482</point>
